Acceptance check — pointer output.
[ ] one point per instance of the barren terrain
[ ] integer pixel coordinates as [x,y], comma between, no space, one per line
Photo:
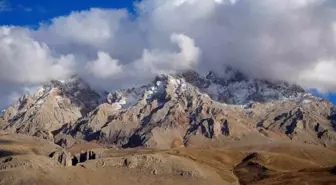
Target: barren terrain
[25,160]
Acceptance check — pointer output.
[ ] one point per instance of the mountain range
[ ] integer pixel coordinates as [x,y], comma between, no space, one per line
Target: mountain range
[174,111]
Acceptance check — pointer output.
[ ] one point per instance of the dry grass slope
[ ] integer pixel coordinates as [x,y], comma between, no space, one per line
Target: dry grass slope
[276,164]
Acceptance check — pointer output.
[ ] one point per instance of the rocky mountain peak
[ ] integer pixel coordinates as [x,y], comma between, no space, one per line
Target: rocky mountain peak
[53,105]
[74,88]
[231,87]
[171,106]
[127,98]
[194,78]
[229,75]
[186,104]
[76,82]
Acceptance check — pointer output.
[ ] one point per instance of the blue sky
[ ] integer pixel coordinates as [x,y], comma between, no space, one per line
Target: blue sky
[32,12]
[330,96]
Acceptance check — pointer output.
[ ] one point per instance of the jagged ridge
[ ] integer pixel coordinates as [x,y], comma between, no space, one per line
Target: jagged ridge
[180,106]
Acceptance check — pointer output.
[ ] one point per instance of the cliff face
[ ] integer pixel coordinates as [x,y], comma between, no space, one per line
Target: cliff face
[172,108]
[176,107]
[51,107]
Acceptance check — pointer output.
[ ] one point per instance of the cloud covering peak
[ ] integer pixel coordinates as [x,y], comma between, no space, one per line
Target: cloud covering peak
[291,40]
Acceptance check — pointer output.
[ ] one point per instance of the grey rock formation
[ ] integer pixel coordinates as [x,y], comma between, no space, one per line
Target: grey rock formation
[63,157]
[232,87]
[173,108]
[3,124]
[51,108]
[156,164]
[227,106]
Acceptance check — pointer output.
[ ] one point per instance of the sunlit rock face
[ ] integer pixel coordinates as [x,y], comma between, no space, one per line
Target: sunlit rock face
[215,106]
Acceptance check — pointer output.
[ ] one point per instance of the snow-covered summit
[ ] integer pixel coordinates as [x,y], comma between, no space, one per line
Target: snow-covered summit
[231,87]
[157,90]
[188,103]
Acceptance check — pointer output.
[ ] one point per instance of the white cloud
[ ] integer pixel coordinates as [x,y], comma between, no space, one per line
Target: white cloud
[157,61]
[24,60]
[321,76]
[189,52]
[293,40]
[104,67]
[91,27]
[151,63]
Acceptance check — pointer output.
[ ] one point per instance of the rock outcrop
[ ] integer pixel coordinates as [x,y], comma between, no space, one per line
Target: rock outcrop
[229,106]
[173,108]
[63,157]
[51,108]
